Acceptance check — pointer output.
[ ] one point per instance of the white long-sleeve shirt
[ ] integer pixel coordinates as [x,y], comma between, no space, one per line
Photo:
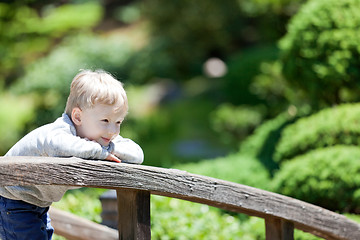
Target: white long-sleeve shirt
[58,139]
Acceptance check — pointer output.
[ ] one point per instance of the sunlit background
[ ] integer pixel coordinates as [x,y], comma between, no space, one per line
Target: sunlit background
[258,92]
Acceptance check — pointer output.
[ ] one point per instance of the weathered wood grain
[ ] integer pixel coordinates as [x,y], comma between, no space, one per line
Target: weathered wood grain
[177,184]
[287,230]
[134,214]
[276,228]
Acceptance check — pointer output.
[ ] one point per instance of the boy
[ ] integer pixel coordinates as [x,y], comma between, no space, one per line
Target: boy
[88,129]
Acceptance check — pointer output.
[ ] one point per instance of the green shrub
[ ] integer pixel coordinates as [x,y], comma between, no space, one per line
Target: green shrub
[300,235]
[234,123]
[321,51]
[234,168]
[177,219]
[261,144]
[242,68]
[270,86]
[328,177]
[73,202]
[332,126]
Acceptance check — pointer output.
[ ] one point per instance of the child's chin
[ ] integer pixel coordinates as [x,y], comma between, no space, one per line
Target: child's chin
[104,144]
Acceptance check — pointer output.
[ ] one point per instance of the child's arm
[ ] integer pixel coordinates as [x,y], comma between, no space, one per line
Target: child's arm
[127,150]
[63,144]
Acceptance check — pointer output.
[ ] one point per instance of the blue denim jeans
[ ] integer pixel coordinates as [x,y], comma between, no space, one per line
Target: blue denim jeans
[21,220]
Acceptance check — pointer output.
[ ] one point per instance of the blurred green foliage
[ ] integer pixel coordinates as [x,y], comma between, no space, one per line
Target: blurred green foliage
[329,127]
[196,221]
[271,87]
[15,113]
[164,131]
[183,35]
[234,123]
[320,52]
[243,67]
[327,177]
[83,202]
[198,30]
[27,33]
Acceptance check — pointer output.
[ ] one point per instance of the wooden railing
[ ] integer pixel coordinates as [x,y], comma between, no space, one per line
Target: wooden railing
[135,183]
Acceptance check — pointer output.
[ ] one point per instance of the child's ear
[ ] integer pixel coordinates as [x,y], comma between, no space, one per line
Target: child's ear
[76,116]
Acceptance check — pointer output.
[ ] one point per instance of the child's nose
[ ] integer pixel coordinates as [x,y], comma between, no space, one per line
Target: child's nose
[113,129]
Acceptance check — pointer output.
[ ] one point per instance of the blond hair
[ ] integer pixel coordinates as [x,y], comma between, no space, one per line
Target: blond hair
[93,87]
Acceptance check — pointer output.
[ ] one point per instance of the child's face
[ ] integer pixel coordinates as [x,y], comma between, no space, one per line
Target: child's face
[100,123]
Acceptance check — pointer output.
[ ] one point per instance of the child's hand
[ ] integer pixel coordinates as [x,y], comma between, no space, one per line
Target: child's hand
[112,158]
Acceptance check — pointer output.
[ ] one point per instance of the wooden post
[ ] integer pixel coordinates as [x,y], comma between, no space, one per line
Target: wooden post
[287,230]
[278,229]
[134,214]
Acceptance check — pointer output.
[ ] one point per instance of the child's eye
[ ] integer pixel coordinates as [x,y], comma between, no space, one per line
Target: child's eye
[118,122]
[105,120]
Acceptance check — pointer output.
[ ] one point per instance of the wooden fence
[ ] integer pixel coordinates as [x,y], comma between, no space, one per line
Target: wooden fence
[135,183]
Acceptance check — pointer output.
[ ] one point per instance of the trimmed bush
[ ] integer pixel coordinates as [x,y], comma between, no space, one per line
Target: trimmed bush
[329,127]
[321,51]
[261,144]
[328,177]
